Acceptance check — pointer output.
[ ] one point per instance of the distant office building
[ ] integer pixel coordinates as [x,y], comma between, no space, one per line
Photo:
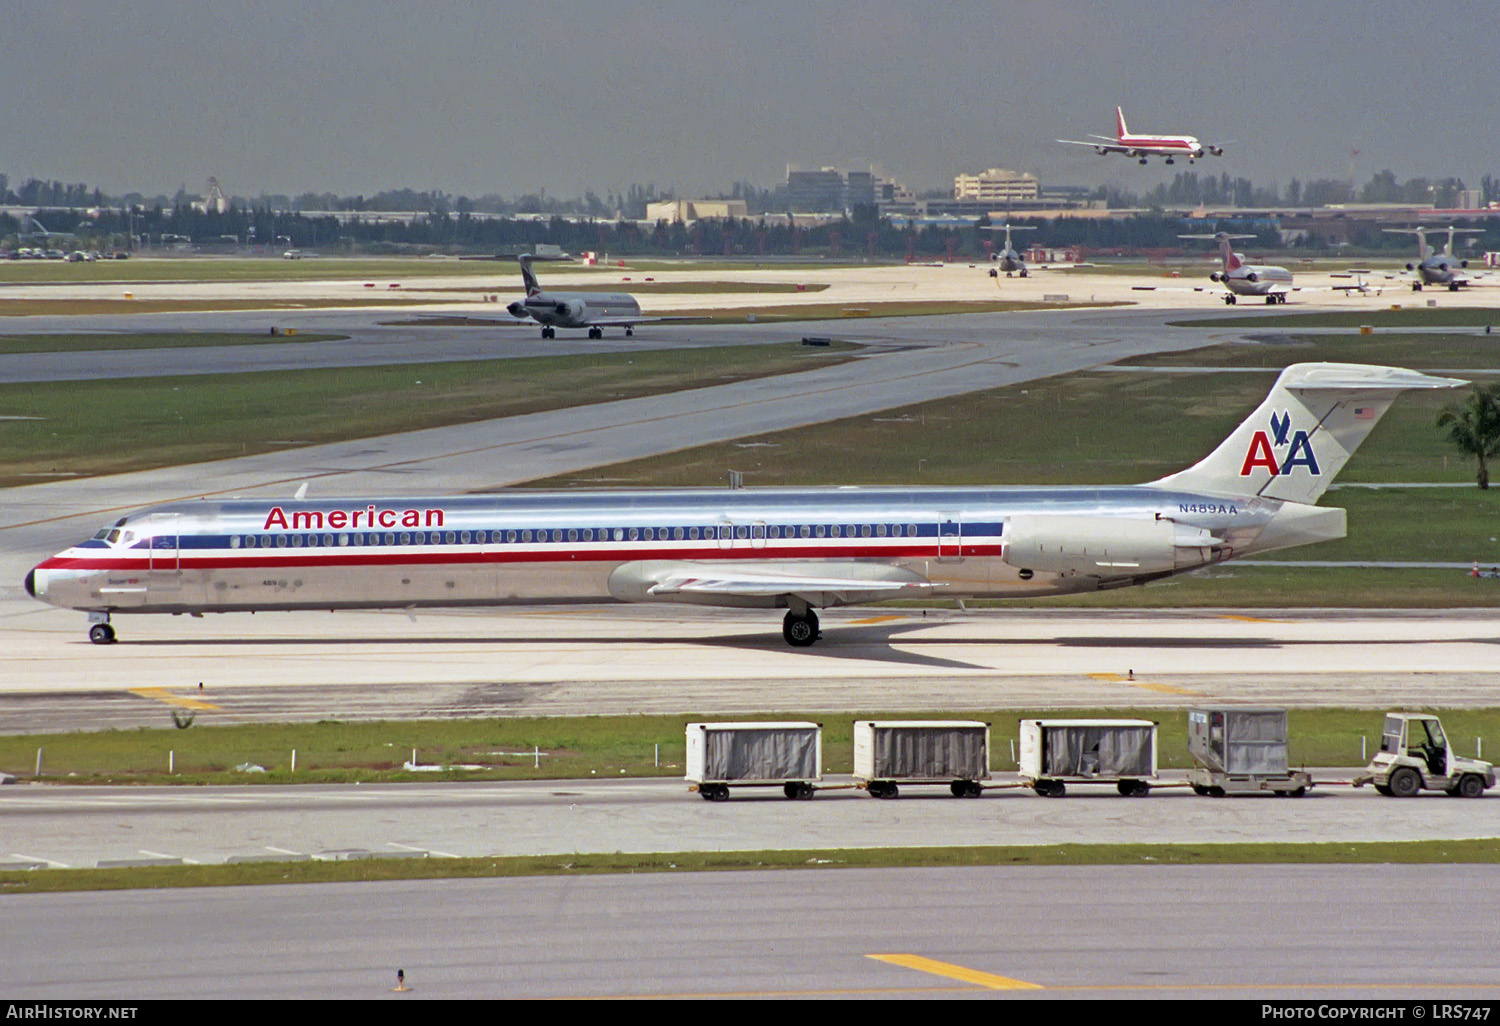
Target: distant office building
[996,185]
[859,189]
[819,191]
[831,190]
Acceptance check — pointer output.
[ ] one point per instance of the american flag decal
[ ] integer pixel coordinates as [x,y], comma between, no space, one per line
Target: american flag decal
[1364,413]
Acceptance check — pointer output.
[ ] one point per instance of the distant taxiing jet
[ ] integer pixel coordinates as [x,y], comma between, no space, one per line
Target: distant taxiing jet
[1010,261]
[798,549]
[1437,268]
[1242,279]
[1143,146]
[592,310]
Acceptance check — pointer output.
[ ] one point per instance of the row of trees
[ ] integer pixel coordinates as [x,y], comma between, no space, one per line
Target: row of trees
[864,234]
[1187,188]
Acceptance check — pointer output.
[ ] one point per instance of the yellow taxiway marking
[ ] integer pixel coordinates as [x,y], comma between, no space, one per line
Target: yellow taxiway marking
[163,695]
[956,972]
[1249,619]
[878,619]
[1120,678]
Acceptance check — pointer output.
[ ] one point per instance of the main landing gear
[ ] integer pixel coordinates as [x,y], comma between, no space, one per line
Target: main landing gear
[1231,299]
[596,333]
[800,629]
[549,333]
[1275,297]
[100,632]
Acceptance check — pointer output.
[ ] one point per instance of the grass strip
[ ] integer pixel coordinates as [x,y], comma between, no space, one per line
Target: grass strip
[1398,314]
[166,421]
[115,307]
[846,311]
[599,747]
[103,341]
[1482,851]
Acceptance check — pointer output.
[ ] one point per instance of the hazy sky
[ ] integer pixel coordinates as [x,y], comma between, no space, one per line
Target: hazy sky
[567,95]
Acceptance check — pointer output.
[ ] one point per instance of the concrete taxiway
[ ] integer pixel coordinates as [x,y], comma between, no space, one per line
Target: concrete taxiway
[1204,932]
[626,659]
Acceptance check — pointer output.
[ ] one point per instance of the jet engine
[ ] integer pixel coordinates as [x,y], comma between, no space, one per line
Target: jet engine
[518,309]
[1252,277]
[1411,267]
[1213,275]
[1217,151]
[1463,263]
[573,309]
[1104,546]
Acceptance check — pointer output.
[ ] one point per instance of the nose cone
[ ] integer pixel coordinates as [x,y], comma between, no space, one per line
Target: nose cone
[30,583]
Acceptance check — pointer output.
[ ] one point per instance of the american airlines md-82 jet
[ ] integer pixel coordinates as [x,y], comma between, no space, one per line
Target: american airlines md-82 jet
[798,549]
[1143,146]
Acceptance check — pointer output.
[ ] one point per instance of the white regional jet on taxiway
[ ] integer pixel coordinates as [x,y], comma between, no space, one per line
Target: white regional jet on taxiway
[592,310]
[1143,146]
[1437,268]
[797,549]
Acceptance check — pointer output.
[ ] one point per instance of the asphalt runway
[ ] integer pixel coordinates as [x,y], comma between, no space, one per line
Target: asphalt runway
[1202,932]
[77,826]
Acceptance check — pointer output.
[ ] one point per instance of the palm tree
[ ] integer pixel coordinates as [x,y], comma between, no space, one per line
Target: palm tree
[1474,428]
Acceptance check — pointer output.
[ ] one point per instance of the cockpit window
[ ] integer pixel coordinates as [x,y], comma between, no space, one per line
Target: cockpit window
[113,536]
[102,534]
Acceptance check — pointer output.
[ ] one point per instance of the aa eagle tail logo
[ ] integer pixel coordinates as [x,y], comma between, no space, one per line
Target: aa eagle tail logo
[1264,446]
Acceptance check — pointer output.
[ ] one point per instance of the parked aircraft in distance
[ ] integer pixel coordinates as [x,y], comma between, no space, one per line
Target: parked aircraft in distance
[1242,279]
[1010,261]
[1437,268]
[798,549]
[1361,286]
[1143,146]
[592,310]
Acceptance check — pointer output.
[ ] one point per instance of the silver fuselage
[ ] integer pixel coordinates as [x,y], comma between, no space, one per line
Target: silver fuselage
[1440,270]
[545,547]
[1267,278]
[580,309]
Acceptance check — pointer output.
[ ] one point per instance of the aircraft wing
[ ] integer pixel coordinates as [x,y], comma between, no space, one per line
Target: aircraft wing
[819,584]
[630,322]
[1101,146]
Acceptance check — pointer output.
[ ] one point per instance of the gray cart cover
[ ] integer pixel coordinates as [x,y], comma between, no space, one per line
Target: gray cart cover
[949,753]
[1256,741]
[773,754]
[1097,751]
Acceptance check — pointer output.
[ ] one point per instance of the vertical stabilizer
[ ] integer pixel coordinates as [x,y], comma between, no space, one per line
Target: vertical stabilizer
[1304,432]
[528,275]
[1226,251]
[1120,124]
